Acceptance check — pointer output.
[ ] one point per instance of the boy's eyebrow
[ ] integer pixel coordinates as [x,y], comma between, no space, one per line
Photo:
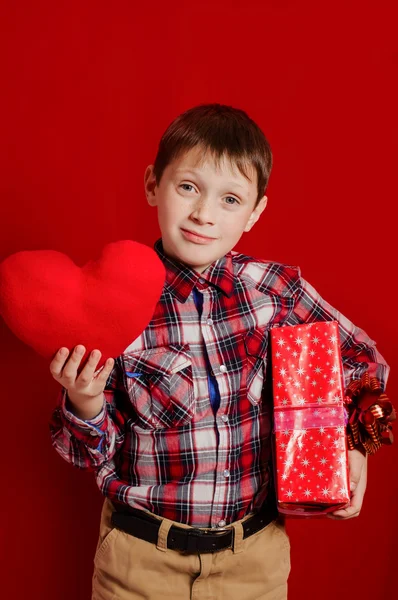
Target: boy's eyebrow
[180,171]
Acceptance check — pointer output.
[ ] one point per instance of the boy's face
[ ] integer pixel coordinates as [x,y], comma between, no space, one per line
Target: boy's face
[199,198]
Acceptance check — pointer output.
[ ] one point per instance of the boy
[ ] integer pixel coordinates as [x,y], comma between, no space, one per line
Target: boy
[178,428]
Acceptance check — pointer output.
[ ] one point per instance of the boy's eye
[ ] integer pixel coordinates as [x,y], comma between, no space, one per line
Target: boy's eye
[232,198]
[186,185]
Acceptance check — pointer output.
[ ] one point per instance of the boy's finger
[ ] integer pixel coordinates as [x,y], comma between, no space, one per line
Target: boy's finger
[87,373]
[346,513]
[105,370]
[58,362]
[351,511]
[71,367]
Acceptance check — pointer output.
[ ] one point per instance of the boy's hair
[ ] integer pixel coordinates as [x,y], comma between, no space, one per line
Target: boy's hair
[222,130]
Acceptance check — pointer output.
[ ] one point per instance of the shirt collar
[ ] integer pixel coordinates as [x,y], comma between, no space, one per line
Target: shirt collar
[180,278]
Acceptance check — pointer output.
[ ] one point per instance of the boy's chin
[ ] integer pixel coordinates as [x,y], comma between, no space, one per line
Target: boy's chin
[194,264]
[189,255]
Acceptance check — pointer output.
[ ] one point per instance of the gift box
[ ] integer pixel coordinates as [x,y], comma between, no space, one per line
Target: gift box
[310,443]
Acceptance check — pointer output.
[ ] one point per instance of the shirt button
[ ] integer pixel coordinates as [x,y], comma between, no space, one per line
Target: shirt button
[201,280]
[226,473]
[223,369]
[93,433]
[222,523]
[209,321]
[224,418]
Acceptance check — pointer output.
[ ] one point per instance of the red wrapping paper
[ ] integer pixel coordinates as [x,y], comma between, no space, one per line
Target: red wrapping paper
[311,453]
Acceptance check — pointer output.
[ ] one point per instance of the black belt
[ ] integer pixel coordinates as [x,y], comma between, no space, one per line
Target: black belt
[142,525]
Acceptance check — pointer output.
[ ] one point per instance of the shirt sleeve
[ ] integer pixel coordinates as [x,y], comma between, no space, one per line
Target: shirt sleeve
[358,351]
[368,410]
[87,444]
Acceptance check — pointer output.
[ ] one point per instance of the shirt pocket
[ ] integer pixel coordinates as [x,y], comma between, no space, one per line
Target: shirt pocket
[159,383]
[256,346]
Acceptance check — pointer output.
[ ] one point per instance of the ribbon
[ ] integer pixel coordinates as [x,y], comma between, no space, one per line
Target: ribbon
[370,414]
[308,417]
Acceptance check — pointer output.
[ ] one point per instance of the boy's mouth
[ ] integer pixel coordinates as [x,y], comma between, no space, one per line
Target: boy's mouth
[196,237]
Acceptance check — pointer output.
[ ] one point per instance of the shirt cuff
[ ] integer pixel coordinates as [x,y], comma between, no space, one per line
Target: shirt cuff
[90,431]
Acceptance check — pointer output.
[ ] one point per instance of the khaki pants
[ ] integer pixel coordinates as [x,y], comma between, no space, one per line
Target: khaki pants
[128,568]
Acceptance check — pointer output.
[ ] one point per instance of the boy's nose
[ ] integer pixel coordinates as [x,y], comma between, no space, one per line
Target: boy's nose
[203,213]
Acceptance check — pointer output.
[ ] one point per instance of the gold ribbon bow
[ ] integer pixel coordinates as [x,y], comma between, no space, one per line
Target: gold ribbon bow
[370,414]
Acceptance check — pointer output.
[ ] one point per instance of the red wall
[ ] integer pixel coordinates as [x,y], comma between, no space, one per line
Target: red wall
[87,90]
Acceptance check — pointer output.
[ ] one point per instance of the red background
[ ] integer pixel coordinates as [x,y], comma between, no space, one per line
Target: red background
[87,90]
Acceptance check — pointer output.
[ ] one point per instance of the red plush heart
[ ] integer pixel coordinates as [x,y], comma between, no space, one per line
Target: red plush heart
[49,302]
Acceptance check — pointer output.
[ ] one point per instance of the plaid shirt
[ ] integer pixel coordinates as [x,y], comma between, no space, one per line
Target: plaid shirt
[157,444]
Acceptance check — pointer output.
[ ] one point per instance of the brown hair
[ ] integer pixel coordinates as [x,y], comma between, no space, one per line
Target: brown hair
[222,130]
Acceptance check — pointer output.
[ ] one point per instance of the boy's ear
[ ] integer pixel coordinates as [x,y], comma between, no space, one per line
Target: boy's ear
[150,185]
[254,217]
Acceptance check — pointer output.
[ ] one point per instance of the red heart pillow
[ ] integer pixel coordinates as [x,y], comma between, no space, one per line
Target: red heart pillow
[49,302]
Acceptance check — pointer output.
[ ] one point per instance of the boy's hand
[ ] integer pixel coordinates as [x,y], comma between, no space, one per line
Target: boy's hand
[85,391]
[358,466]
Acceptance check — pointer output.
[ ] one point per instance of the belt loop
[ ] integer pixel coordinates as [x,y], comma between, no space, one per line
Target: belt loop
[163,534]
[237,537]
